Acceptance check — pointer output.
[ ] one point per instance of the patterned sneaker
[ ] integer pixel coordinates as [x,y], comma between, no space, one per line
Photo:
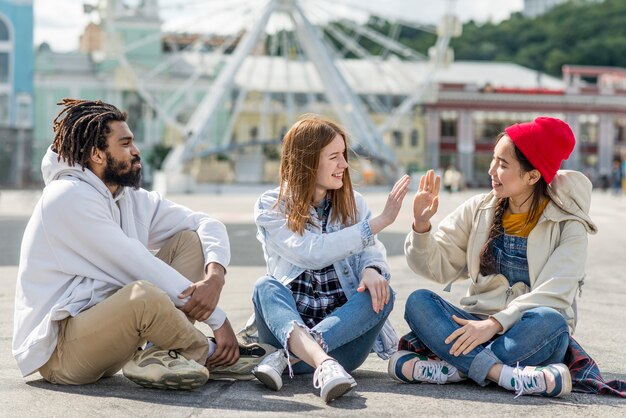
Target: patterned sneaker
[250,356]
[553,380]
[269,371]
[422,369]
[163,369]
[333,380]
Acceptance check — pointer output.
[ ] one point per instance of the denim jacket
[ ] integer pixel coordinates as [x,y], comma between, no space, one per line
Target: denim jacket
[349,249]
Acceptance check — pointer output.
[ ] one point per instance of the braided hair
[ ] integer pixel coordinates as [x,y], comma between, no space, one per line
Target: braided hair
[540,192]
[82,125]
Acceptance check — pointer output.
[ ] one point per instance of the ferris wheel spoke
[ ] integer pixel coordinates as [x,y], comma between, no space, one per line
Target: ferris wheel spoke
[383,40]
[351,44]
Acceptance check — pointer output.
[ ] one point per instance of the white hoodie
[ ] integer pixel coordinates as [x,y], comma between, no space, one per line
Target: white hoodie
[82,244]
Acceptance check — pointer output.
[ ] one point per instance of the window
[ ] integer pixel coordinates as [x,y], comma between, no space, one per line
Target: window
[6,48]
[449,125]
[397,139]
[4,109]
[283,132]
[4,31]
[588,128]
[4,67]
[414,138]
[23,110]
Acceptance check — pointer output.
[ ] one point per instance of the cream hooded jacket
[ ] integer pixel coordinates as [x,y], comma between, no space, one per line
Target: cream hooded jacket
[82,244]
[557,252]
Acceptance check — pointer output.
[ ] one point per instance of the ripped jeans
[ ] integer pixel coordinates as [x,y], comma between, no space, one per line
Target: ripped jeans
[347,334]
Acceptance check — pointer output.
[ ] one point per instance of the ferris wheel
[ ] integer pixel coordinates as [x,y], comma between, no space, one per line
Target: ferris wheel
[197,64]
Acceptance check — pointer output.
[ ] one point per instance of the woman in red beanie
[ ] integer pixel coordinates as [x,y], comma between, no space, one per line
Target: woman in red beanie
[523,246]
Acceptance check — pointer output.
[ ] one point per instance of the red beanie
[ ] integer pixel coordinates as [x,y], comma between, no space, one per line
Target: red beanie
[546,142]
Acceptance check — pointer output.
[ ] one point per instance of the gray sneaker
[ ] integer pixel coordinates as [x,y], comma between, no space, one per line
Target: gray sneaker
[332,380]
[269,371]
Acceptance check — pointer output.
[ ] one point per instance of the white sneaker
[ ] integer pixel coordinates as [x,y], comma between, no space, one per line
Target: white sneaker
[423,369]
[333,380]
[269,371]
[553,380]
[165,369]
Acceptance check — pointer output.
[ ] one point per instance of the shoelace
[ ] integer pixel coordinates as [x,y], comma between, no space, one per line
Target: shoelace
[173,354]
[430,371]
[527,382]
[327,369]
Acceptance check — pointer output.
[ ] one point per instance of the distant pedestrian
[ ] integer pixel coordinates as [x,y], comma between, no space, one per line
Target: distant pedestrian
[326,297]
[453,179]
[523,246]
[616,177]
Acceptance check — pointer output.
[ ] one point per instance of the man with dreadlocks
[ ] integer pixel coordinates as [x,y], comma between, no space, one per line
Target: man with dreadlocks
[89,290]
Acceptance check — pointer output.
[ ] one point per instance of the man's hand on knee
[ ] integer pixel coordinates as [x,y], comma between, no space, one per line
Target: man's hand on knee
[227,351]
[205,294]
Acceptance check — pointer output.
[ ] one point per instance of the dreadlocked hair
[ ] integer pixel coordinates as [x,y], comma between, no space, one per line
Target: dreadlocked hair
[540,192]
[81,126]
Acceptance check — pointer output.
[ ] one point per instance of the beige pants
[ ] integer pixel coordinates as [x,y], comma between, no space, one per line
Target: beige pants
[99,341]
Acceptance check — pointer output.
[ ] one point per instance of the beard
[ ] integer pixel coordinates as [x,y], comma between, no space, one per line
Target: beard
[120,173]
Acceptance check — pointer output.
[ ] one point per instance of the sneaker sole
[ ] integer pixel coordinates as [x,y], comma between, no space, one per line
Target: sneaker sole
[230,376]
[338,391]
[172,381]
[268,380]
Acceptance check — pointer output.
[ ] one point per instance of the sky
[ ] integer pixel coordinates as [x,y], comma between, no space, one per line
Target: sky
[60,22]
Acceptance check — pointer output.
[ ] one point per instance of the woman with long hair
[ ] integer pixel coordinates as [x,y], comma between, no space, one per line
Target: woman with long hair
[523,246]
[326,297]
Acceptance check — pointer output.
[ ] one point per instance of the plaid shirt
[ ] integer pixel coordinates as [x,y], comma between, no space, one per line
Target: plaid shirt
[318,292]
[586,376]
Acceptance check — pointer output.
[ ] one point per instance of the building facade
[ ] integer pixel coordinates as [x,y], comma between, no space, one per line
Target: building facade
[16,90]
[453,121]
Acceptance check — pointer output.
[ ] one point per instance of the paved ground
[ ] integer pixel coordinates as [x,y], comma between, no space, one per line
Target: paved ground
[601,330]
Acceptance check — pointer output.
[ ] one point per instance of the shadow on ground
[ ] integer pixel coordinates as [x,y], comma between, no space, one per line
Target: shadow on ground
[252,396]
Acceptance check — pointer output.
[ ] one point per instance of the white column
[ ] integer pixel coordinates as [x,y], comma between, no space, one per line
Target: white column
[574,163]
[433,138]
[465,145]
[606,139]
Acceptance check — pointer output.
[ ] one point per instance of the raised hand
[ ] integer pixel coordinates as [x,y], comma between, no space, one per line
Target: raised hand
[392,206]
[426,201]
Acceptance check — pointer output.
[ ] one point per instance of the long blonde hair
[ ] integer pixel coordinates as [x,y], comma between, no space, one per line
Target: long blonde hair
[300,158]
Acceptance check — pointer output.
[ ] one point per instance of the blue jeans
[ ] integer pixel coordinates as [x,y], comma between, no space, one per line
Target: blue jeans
[347,334]
[539,338]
